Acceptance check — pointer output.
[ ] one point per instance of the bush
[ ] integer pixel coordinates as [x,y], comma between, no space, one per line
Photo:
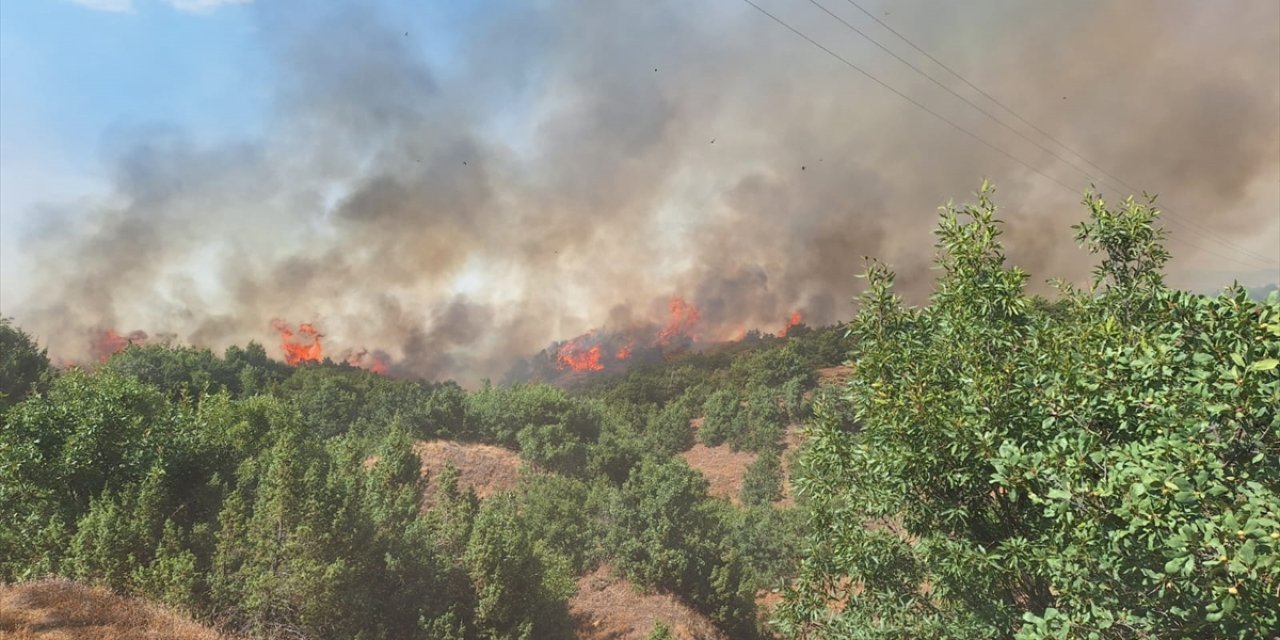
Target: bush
[722,418]
[1101,468]
[762,482]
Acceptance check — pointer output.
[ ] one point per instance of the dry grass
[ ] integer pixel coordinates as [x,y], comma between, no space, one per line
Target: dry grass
[725,468]
[834,375]
[483,468]
[57,609]
[606,607]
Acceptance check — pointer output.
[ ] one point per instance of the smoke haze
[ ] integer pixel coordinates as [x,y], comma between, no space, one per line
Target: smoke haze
[573,165]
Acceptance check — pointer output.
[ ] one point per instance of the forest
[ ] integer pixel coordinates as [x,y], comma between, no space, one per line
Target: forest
[1103,462]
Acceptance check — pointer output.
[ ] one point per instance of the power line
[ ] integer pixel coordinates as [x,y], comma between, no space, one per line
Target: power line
[906,97]
[944,119]
[1047,135]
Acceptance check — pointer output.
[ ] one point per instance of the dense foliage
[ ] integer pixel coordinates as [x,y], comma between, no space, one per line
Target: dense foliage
[276,501]
[1103,466]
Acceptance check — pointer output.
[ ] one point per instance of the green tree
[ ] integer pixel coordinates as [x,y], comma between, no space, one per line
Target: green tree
[666,534]
[521,589]
[1104,467]
[722,418]
[23,364]
[669,431]
[762,481]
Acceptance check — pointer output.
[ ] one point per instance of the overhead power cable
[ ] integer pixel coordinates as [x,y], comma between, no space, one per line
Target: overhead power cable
[1102,172]
[944,119]
[908,98]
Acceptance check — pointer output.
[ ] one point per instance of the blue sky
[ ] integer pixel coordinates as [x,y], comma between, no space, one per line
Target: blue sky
[76,75]
[72,76]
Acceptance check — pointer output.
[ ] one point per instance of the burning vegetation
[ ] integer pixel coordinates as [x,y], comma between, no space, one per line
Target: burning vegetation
[302,345]
[596,351]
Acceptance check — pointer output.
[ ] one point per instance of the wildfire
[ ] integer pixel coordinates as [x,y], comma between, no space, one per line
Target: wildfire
[796,318]
[301,346]
[104,343]
[376,361]
[625,351]
[680,323]
[577,356]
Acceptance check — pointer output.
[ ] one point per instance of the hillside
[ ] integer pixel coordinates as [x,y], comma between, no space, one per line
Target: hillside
[335,501]
[65,610]
[608,607]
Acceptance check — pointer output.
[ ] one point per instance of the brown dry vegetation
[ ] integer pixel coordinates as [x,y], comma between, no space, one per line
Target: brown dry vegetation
[607,607]
[724,468]
[483,468]
[834,375]
[57,609]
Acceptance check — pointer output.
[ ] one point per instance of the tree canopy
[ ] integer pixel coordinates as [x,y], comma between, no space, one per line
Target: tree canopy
[1103,466]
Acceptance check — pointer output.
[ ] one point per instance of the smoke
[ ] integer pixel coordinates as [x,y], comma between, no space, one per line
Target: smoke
[570,165]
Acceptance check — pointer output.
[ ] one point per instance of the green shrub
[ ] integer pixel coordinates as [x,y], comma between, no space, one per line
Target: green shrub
[1102,467]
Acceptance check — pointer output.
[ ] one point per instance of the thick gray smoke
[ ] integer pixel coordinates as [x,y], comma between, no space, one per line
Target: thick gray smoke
[578,164]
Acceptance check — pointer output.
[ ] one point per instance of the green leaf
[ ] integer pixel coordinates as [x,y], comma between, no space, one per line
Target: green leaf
[1264,365]
[1246,553]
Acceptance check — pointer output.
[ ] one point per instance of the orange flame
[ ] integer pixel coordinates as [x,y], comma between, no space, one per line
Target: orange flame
[625,352]
[376,362]
[796,318]
[107,342]
[681,322]
[575,355]
[303,347]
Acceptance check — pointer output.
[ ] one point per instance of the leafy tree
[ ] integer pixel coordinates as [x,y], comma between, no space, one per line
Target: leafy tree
[669,431]
[23,364]
[766,421]
[769,540]
[521,591]
[565,515]
[88,430]
[621,445]
[498,415]
[1104,467]
[554,448]
[762,481]
[722,418]
[667,535]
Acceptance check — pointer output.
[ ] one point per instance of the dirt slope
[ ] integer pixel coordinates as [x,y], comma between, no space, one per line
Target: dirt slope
[606,607]
[484,468]
[725,468]
[58,609]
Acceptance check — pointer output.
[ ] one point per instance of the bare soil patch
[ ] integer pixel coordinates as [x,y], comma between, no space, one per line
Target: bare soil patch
[607,607]
[834,375]
[725,468]
[483,468]
[57,609]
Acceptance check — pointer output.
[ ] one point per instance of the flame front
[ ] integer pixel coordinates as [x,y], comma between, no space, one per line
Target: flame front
[625,351]
[576,356]
[376,362]
[107,342]
[796,318]
[302,346]
[680,323]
